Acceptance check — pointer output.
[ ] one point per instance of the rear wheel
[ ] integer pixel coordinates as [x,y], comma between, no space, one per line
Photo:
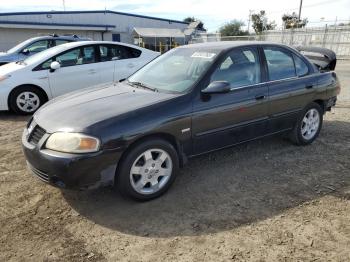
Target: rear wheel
[26,100]
[308,125]
[148,170]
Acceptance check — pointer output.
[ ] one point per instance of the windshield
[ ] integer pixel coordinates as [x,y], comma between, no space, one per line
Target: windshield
[20,46]
[48,53]
[175,71]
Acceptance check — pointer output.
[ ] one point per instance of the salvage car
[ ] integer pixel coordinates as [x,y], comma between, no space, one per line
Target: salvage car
[28,84]
[35,45]
[191,100]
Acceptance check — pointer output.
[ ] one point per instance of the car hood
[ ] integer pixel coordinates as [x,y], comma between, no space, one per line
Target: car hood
[77,111]
[10,68]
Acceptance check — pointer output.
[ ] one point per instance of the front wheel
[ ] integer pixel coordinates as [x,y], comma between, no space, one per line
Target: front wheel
[26,100]
[148,170]
[308,125]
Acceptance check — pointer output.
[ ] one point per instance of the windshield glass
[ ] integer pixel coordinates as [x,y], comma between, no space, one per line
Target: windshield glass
[20,46]
[175,71]
[48,53]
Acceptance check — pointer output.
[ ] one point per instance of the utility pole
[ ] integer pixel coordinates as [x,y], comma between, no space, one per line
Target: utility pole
[300,6]
[64,5]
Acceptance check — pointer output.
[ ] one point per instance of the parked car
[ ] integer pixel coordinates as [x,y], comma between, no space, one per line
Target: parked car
[189,101]
[28,84]
[35,45]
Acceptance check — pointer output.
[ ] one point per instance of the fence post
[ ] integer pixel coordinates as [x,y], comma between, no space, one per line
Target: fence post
[325,36]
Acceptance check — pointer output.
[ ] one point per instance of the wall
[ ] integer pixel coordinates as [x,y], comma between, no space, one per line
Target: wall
[11,37]
[124,25]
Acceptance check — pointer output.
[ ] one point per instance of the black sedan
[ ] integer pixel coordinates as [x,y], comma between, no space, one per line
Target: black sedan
[189,101]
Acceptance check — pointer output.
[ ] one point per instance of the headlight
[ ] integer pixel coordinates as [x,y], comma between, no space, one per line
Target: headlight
[4,77]
[72,143]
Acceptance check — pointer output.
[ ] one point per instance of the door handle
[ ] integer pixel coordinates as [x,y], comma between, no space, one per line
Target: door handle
[260,97]
[92,71]
[131,65]
[309,87]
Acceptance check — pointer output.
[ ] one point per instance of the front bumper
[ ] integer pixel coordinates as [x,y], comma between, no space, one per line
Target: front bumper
[75,171]
[4,94]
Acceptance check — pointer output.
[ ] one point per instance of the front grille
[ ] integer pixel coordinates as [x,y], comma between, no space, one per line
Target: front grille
[40,174]
[36,135]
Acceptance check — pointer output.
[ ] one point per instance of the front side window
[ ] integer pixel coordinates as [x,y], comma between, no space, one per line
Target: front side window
[241,67]
[175,71]
[77,56]
[38,46]
[70,58]
[280,63]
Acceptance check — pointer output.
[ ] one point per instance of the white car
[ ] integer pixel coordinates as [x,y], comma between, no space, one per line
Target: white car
[28,84]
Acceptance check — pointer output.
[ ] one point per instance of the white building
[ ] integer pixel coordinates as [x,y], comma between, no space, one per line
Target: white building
[97,25]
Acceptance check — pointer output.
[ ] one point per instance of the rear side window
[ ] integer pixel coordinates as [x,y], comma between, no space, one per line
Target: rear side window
[117,52]
[132,52]
[301,68]
[240,67]
[279,63]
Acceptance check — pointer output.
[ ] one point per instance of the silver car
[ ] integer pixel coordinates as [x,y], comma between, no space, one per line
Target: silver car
[35,45]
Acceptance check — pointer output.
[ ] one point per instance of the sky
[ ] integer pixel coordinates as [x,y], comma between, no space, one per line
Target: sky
[213,13]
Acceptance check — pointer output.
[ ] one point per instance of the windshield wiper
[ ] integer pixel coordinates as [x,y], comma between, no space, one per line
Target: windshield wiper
[21,62]
[142,85]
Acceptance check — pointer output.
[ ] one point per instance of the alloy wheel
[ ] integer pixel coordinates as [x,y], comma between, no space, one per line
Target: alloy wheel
[310,124]
[28,102]
[151,171]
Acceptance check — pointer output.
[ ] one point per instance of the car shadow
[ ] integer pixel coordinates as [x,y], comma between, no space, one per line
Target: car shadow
[12,117]
[230,188]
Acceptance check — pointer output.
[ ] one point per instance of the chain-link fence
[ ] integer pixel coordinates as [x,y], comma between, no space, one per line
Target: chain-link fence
[336,38]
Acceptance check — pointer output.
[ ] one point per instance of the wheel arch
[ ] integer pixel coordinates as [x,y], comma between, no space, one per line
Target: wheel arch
[41,90]
[321,103]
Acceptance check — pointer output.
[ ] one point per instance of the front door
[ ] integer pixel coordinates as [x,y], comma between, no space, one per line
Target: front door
[78,70]
[220,120]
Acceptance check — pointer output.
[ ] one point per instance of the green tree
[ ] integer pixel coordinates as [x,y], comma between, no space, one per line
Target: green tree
[260,22]
[292,21]
[193,19]
[233,28]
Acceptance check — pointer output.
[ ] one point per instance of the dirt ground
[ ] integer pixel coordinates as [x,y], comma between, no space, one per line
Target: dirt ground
[267,200]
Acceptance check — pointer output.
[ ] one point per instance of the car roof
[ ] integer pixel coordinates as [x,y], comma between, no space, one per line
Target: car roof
[224,45]
[80,43]
[68,37]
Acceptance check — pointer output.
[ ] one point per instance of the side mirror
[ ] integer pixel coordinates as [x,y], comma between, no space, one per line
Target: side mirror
[25,51]
[54,66]
[217,87]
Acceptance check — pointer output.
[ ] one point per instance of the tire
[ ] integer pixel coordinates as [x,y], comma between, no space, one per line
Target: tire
[300,134]
[26,100]
[155,164]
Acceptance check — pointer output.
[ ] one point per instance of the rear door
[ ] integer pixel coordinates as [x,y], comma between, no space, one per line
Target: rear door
[291,86]
[127,61]
[221,120]
[78,70]
[106,64]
